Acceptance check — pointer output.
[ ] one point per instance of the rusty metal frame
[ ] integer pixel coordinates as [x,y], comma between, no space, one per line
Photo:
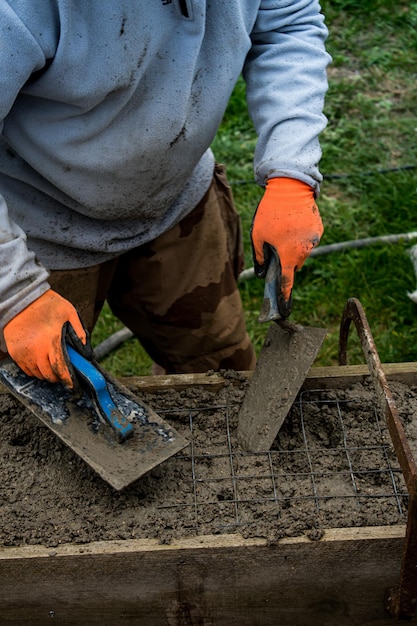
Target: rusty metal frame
[401,601]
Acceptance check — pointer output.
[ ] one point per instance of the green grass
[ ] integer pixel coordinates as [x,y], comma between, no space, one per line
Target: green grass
[372,126]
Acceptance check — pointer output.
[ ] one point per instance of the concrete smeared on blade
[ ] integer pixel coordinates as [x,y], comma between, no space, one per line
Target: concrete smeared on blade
[286,356]
[78,424]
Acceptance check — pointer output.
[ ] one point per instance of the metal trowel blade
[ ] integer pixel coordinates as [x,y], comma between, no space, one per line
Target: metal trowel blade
[285,358]
[76,422]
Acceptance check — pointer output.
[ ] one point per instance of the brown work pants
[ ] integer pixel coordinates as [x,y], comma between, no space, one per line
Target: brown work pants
[178,294]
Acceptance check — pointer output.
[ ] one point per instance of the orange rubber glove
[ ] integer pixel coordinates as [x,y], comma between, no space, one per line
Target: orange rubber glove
[34,337]
[288,221]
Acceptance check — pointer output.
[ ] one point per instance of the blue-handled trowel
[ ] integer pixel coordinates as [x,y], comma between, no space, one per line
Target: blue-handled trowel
[120,437]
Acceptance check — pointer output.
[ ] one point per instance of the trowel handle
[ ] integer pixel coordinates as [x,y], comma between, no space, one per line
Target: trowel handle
[274,307]
[96,383]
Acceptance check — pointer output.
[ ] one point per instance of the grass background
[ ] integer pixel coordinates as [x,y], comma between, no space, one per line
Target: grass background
[369,189]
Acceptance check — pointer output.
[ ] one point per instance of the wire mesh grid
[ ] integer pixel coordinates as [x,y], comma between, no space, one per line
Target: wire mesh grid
[332,465]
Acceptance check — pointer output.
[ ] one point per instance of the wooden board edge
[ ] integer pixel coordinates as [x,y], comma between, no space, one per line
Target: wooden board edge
[199,542]
[342,375]
[210,580]
[330,376]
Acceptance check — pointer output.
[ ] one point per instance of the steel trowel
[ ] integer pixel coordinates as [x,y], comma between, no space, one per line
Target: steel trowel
[285,358]
[118,435]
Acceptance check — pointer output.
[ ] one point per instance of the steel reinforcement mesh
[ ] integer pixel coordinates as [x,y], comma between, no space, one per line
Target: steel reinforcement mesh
[332,465]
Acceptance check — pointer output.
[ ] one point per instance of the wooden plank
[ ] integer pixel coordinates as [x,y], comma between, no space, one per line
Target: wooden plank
[341,376]
[329,376]
[211,381]
[215,580]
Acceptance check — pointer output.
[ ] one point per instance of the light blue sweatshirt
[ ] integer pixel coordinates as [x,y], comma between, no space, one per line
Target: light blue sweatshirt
[108,109]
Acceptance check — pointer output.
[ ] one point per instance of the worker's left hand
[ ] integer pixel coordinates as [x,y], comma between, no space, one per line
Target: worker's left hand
[287,220]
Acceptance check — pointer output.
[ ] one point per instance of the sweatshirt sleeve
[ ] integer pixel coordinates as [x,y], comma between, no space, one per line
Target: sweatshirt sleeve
[22,278]
[285,73]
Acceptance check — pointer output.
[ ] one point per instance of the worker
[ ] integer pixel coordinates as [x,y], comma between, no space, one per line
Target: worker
[109,188]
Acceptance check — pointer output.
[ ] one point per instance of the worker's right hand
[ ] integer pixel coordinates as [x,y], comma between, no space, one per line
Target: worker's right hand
[34,337]
[287,223]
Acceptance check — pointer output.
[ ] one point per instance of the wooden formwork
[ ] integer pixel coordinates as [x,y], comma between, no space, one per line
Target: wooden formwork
[219,580]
